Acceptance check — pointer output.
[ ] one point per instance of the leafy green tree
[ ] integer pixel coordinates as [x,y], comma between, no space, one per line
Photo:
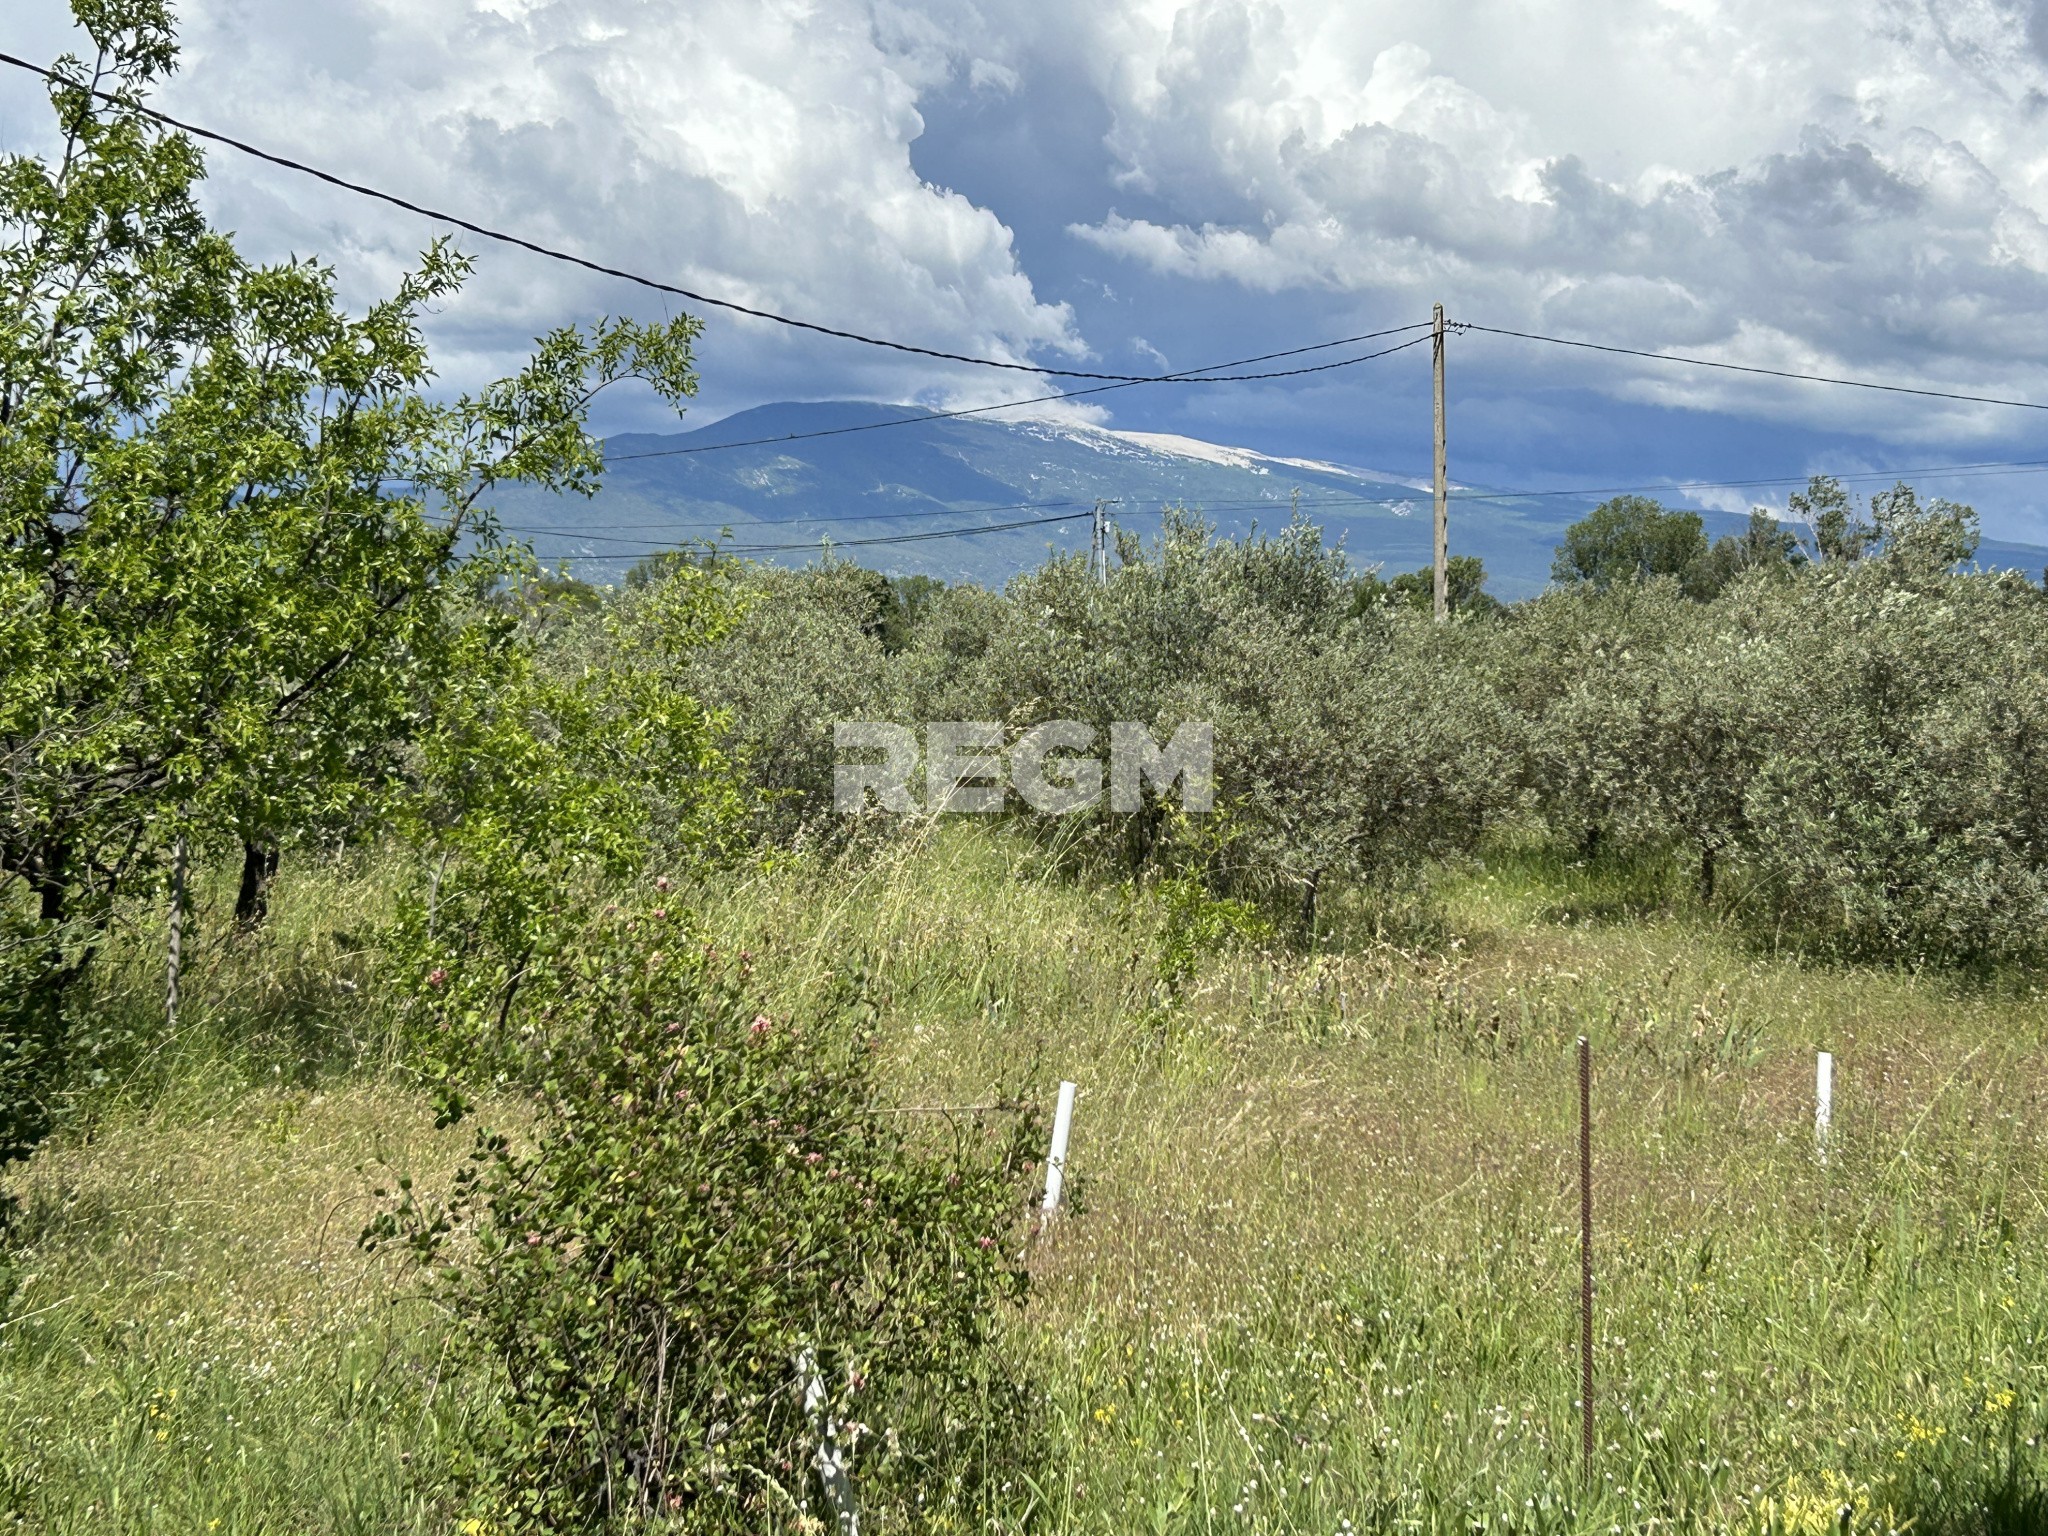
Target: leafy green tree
[1927,540]
[1651,725]
[897,603]
[1347,750]
[238,535]
[807,649]
[1630,538]
[540,784]
[1765,545]
[1464,584]
[1902,809]
[1839,535]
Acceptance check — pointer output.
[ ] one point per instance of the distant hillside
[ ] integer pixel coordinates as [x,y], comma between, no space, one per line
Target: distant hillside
[943,474]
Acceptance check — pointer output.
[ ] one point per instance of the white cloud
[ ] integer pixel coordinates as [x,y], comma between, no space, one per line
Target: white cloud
[753,149]
[1827,189]
[1822,188]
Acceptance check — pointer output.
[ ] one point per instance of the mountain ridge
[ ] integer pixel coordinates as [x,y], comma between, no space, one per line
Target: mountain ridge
[813,475]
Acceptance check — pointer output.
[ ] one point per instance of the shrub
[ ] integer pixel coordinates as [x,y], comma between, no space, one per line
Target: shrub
[1903,806]
[707,1191]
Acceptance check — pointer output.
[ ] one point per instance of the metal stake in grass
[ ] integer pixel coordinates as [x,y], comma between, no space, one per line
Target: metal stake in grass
[1586,1256]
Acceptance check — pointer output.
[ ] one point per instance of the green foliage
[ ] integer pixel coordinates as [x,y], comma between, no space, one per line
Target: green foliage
[1197,925]
[899,602]
[1346,749]
[232,524]
[1631,538]
[809,649]
[1839,535]
[537,787]
[1651,726]
[1901,806]
[1859,748]
[1766,545]
[1464,584]
[707,1192]
[1919,540]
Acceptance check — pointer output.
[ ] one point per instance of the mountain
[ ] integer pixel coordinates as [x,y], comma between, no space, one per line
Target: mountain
[782,498]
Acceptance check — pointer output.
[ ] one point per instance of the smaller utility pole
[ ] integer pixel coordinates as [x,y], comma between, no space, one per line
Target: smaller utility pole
[1098,548]
[1443,495]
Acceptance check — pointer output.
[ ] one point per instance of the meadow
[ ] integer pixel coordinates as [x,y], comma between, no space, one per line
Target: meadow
[1322,1271]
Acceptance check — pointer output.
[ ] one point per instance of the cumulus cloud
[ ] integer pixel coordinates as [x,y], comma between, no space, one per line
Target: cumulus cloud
[754,149]
[1796,187]
[1835,189]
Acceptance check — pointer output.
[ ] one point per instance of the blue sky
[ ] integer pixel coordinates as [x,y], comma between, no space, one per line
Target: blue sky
[1139,184]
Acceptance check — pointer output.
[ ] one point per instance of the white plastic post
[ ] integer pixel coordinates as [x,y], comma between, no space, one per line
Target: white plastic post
[1823,1103]
[1056,1160]
[830,1458]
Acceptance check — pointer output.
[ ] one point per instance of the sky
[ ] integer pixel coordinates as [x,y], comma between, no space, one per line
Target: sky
[1135,186]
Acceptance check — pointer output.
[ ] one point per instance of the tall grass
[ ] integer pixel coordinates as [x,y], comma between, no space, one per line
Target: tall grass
[1323,1270]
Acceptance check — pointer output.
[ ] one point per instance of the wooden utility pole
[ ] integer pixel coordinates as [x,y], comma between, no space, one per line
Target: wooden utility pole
[1443,495]
[1098,547]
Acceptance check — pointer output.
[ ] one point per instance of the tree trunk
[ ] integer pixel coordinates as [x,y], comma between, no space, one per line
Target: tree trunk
[1706,872]
[1308,905]
[252,901]
[47,878]
[176,963]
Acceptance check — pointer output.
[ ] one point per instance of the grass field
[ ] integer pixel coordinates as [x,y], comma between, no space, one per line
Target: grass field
[1324,1271]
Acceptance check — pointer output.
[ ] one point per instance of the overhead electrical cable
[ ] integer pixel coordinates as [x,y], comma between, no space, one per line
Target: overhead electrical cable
[657,285]
[1324,500]
[1960,471]
[806,522]
[712,545]
[1773,373]
[1072,394]
[908,538]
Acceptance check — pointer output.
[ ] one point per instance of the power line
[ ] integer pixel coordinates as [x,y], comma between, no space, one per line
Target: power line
[1774,373]
[762,549]
[1991,466]
[1227,504]
[1072,394]
[910,538]
[657,285]
[806,522]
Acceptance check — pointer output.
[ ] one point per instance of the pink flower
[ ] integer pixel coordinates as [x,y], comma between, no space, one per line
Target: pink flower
[761,1025]
[533,1239]
[436,976]
[812,1159]
[661,884]
[661,911]
[986,1242]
